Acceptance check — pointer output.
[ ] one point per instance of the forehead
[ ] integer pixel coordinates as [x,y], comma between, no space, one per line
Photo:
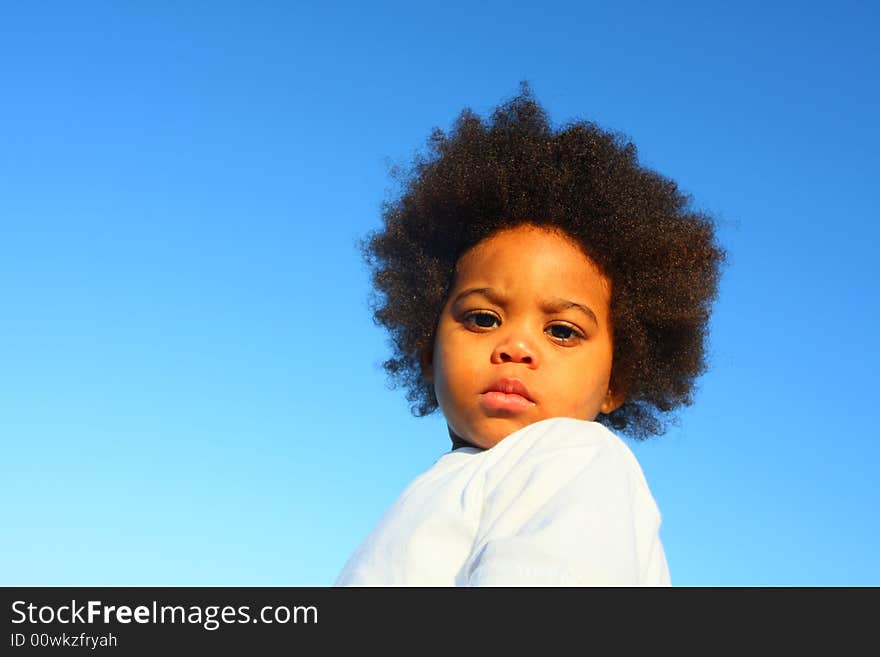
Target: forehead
[527,258]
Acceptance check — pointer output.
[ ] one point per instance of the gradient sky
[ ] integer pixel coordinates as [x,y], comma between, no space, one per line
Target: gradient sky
[192,391]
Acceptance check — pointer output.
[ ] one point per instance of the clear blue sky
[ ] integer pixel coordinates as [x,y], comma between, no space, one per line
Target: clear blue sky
[191,390]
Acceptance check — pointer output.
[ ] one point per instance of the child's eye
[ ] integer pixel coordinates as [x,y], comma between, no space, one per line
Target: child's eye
[564,332]
[481,320]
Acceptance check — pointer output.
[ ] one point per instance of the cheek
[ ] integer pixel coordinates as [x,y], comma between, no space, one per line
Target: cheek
[454,367]
[448,368]
[581,390]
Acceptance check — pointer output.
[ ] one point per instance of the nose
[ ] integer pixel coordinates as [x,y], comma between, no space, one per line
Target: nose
[514,348]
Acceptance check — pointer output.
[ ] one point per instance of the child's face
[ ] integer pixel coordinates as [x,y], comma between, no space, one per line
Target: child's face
[528,309]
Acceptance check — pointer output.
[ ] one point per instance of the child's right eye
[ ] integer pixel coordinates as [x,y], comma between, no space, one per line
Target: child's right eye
[481,320]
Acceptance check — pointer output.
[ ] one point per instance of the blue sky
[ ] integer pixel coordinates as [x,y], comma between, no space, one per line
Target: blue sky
[191,389]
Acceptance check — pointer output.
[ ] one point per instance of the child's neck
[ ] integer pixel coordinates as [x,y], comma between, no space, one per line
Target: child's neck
[458,441]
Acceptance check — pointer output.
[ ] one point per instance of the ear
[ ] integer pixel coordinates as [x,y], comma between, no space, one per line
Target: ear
[613,400]
[426,360]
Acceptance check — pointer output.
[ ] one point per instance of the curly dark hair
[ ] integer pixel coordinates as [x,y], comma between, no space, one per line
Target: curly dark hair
[660,254]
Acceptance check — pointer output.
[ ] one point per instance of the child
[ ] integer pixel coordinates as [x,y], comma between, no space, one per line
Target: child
[539,287]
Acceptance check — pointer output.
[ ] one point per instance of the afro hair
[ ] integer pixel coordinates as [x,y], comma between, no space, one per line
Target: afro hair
[661,255]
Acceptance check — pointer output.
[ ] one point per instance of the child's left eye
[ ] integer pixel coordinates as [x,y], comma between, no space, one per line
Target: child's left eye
[564,332]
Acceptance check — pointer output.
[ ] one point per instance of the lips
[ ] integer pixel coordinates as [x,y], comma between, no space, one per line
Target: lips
[509,395]
[510,387]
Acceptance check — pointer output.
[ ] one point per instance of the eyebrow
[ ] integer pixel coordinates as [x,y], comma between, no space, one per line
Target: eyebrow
[554,305]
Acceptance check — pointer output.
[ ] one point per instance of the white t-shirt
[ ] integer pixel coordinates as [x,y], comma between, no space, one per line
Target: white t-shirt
[561,502]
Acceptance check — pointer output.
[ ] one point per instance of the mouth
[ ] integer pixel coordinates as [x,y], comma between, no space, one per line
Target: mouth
[507,395]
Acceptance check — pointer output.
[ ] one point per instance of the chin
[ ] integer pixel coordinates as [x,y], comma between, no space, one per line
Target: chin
[494,430]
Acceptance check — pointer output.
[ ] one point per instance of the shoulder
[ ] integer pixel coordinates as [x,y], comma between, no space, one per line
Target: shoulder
[567,447]
[566,502]
[565,433]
